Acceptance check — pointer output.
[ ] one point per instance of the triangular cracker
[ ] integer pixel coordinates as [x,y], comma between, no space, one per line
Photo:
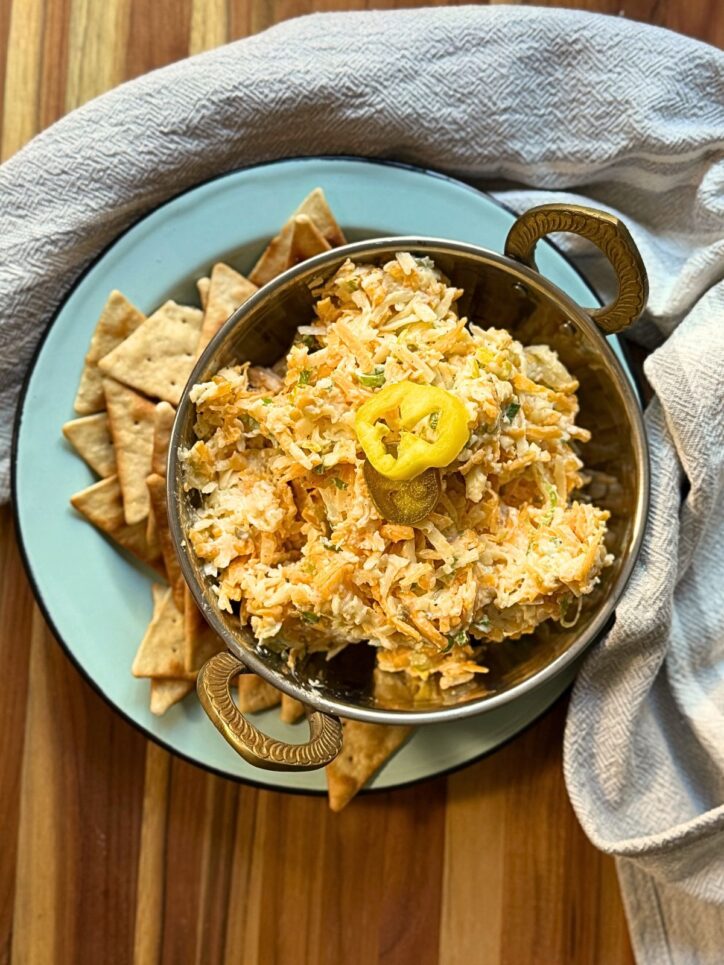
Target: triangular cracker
[157,492]
[228,290]
[315,207]
[102,505]
[307,241]
[117,320]
[158,357]
[298,240]
[365,748]
[152,538]
[291,710]
[161,652]
[255,694]
[202,284]
[200,641]
[90,436]
[151,532]
[131,421]
[275,258]
[166,693]
[162,426]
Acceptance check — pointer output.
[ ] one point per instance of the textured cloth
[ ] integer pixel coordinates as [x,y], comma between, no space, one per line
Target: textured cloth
[546,102]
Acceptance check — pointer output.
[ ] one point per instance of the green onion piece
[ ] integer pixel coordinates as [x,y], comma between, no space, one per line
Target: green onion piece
[458,639]
[339,483]
[553,501]
[309,617]
[512,411]
[372,380]
[266,401]
[304,377]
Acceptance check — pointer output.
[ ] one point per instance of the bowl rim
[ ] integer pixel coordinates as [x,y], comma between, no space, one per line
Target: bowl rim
[600,621]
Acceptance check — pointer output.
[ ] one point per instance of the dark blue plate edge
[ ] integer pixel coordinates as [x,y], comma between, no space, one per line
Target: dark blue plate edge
[382,162]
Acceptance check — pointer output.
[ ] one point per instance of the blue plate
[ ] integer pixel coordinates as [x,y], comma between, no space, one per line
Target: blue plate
[96,600]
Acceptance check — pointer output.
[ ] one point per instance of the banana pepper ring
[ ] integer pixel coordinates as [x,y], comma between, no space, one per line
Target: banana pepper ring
[405,503]
[397,415]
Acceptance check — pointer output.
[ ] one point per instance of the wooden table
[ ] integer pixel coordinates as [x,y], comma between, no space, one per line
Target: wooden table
[112,851]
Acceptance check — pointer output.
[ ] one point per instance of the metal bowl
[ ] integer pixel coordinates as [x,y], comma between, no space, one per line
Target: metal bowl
[504,290]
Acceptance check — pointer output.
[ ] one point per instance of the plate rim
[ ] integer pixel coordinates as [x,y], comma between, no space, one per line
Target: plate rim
[14,461]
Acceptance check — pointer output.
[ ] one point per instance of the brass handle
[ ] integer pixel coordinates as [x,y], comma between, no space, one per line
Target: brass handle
[606,231]
[213,686]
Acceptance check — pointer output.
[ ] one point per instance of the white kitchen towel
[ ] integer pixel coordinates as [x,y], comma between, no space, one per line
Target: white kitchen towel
[553,104]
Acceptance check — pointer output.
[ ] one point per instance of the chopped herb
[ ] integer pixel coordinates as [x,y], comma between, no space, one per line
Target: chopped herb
[482,626]
[458,639]
[339,483]
[309,617]
[304,377]
[266,401]
[329,545]
[373,380]
[512,411]
[434,419]
[353,284]
[553,502]
[311,342]
[249,422]
[319,470]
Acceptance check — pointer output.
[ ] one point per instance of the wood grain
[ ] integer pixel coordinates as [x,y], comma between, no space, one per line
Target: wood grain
[151,880]
[112,851]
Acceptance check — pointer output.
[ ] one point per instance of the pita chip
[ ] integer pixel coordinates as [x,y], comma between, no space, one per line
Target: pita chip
[298,240]
[151,532]
[165,693]
[227,290]
[200,641]
[157,493]
[102,505]
[157,358]
[291,710]
[152,536]
[256,694]
[307,241]
[117,320]
[131,418]
[315,207]
[365,748]
[202,286]
[161,652]
[275,258]
[162,425]
[90,436]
